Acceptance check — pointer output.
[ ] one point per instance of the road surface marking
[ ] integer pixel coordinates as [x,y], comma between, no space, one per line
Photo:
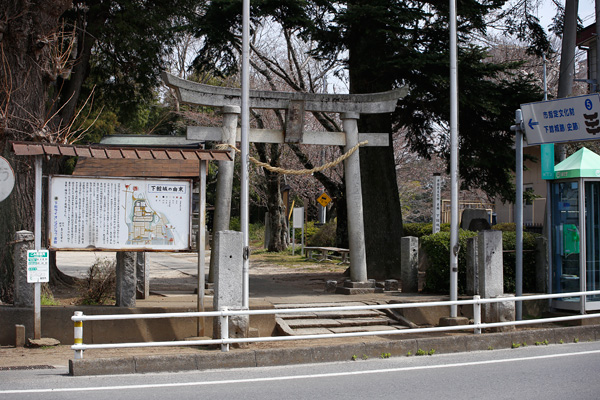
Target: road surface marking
[293,377]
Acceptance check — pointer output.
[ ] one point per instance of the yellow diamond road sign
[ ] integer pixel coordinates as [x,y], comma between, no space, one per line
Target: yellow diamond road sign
[324,199]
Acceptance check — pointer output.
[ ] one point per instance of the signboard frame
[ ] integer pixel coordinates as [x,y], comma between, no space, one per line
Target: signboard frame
[125,185]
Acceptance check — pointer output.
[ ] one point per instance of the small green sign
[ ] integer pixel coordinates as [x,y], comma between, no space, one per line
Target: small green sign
[547,155]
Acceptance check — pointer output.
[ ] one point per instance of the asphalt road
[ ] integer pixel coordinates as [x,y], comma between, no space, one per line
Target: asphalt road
[567,371]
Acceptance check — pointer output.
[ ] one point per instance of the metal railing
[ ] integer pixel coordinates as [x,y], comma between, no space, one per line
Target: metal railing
[224,315]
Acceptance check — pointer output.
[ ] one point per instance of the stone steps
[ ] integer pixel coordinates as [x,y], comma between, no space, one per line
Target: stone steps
[313,323]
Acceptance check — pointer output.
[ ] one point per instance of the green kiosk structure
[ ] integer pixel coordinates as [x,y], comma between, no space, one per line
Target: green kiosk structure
[575,230]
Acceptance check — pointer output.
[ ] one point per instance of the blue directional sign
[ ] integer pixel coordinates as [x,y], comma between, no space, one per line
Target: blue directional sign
[563,120]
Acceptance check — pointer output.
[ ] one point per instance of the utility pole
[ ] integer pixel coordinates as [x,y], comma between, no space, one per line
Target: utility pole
[596,78]
[245,150]
[453,160]
[567,60]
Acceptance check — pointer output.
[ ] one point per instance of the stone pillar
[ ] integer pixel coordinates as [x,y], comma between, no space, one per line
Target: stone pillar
[409,264]
[472,267]
[23,297]
[224,179]
[142,275]
[126,281]
[228,253]
[541,265]
[491,274]
[491,279]
[356,231]
[470,214]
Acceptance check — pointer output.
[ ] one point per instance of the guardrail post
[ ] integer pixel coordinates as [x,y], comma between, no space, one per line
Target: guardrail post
[477,314]
[78,335]
[224,329]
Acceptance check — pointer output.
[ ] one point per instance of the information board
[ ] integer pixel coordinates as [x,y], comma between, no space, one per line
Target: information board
[298,215]
[119,213]
[38,266]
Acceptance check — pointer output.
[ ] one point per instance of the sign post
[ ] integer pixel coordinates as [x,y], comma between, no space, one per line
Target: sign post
[323,200]
[298,222]
[563,120]
[547,158]
[37,237]
[518,129]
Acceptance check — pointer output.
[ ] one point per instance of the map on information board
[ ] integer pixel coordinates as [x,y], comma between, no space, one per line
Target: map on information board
[119,213]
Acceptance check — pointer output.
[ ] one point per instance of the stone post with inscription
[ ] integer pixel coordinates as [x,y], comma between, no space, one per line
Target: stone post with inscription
[23,296]
[126,282]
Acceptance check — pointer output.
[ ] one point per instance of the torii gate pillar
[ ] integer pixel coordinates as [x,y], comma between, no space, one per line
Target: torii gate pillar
[225,179]
[356,230]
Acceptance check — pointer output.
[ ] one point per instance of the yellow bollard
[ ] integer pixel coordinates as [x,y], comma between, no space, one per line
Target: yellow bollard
[78,335]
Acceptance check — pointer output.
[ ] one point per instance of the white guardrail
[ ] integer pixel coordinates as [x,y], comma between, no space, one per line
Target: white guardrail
[224,314]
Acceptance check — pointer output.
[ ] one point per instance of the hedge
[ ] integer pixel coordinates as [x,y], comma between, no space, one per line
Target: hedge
[420,229]
[436,248]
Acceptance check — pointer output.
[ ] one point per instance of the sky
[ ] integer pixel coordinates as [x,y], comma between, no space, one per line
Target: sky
[586,12]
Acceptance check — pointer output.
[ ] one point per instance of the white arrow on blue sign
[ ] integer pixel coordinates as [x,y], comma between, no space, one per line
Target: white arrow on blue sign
[571,119]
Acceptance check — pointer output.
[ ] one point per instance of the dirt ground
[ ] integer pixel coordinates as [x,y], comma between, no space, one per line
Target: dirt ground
[287,269]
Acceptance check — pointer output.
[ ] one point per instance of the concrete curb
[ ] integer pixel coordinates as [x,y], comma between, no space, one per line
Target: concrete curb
[317,354]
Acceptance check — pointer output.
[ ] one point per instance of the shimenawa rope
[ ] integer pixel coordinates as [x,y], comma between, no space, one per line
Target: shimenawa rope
[278,170]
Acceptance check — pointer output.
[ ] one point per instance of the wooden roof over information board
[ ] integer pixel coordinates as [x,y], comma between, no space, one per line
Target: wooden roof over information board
[118,152]
[130,161]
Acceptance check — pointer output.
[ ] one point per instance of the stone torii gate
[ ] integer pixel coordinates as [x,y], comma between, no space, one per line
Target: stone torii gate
[349,106]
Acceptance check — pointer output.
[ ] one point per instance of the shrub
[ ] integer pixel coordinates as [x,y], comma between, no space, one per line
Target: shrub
[310,229]
[419,229]
[235,224]
[505,227]
[509,240]
[413,228]
[256,232]
[46,297]
[437,248]
[98,287]
[325,237]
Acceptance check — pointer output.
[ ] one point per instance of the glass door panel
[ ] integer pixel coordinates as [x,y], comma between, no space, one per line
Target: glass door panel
[565,240]
[592,233]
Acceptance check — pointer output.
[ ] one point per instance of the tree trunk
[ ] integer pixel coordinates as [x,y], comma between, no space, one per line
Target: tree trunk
[71,87]
[278,240]
[381,201]
[26,73]
[567,62]
[337,191]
